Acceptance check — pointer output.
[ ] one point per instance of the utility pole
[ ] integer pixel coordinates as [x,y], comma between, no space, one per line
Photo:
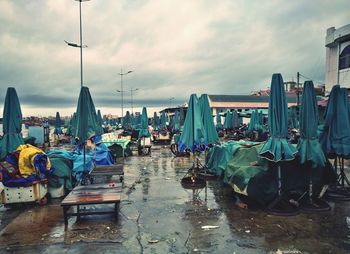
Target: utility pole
[298,91]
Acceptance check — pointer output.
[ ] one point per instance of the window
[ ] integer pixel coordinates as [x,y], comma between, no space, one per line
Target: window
[344,58]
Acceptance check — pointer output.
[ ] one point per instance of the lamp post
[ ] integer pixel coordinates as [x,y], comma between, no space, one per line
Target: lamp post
[121,91]
[81,46]
[132,100]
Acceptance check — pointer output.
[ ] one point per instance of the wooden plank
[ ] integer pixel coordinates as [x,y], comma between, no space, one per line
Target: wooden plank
[116,169]
[97,186]
[90,198]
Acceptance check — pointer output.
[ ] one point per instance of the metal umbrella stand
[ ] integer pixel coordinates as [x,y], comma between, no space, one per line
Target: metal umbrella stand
[276,148]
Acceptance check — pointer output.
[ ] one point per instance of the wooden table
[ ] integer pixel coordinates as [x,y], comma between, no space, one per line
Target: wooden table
[93,194]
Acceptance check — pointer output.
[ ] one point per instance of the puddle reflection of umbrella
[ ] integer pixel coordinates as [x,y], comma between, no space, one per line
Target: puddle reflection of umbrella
[193,138]
[12,123]
[310,150]
[276,148]
[335,138]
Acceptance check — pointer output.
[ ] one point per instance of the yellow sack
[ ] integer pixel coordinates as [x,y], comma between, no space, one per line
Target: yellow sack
[26,160]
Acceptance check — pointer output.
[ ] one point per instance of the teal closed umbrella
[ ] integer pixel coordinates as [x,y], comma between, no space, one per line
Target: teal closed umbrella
[155,121]
[86,120]
[163,120]
[144,132]
[12,123]
[127,121]
[193,136]
[99,130]
[176,122]
[309,147]
[276,148]
[235,120]
[207,118]
[228,120]
[335,137]
[58,129]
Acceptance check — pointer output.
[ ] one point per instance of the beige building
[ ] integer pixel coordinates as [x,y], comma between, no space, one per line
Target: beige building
[337,57]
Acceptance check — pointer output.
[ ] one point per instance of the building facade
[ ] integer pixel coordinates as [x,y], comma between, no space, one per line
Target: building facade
[337,57]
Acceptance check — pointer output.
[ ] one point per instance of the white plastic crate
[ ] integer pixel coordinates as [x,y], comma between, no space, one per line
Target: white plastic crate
[35,192]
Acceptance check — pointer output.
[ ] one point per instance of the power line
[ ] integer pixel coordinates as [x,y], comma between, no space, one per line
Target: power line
[316,81]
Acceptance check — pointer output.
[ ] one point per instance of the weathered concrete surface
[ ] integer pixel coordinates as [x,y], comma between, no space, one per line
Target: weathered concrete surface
[158,216]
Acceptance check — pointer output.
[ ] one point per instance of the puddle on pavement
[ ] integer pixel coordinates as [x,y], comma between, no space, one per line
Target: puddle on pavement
[158,216]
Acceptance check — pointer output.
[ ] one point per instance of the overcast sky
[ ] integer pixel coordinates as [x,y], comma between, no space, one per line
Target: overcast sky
[173,47]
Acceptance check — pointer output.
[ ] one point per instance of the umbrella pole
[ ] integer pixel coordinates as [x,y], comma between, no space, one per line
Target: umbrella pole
[279,179]
[310,185]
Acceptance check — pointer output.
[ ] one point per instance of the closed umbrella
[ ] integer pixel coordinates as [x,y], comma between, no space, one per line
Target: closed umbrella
[193,138]
[335,137]
[144,132]
[12,123]
[86,120]
[127,121]
[309,148]
[207,118]
[228,120]
[163,120]
[99,130]
[276,148]
[155,122]
[176,122]
[58,129]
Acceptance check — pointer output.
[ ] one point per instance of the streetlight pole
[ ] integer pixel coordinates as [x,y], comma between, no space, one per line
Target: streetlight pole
[81,46]
[121,87]
[132,101]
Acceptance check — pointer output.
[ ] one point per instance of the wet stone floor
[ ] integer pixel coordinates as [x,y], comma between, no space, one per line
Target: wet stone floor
[157,215]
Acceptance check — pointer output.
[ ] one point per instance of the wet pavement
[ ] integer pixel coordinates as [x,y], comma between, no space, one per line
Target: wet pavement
[158,216]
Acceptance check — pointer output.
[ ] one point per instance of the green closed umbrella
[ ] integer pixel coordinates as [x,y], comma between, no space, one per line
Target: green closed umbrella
[163,120]
[293,118]
[144,132]
[176,121]
[155,122]
[99,130]
[193,136]
[235,120]
[207,118]
[12,123]
[86,120]
[182,116]
[309,147]
[276,148]
[127,121]
[58,129]
[228,120]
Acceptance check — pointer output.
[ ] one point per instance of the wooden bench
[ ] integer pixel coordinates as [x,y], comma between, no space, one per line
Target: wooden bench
[108,170]
[94,194]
